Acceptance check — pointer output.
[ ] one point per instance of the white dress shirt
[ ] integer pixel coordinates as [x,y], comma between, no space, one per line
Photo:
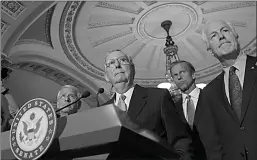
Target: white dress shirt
[240,72]
[194,96]
[128,95]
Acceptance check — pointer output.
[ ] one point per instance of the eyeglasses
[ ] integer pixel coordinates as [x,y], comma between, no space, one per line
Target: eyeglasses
[121,60]
[70,97]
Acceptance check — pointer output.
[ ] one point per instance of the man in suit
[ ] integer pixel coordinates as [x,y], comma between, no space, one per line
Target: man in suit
[67,95]
[149,108]
[227,126]
[183,74]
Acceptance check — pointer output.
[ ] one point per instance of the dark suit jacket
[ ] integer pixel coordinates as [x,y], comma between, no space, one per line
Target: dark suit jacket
[223,135]
[153,109]
[198,146]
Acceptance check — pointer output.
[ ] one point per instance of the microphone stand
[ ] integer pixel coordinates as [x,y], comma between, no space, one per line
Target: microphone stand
[69,104]
[97,101]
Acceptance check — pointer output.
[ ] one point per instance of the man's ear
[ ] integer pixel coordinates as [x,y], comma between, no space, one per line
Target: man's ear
[210,51]
[106,77]
[193,75]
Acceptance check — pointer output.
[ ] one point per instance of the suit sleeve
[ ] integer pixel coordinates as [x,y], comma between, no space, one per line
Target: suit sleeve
[207,130]
[178,133]
[5,114]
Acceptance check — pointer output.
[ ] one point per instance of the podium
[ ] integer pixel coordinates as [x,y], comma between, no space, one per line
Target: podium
[98,131]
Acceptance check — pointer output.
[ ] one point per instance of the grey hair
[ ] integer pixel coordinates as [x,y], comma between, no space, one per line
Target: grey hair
[204,34]
[78,94]
[129,58]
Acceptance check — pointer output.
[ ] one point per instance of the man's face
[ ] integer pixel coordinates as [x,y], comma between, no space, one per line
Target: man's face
[182,76]
[221,39]
[67,96]
[118,68]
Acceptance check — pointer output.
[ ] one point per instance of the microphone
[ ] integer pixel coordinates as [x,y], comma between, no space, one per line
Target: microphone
[84,95]
[100,90]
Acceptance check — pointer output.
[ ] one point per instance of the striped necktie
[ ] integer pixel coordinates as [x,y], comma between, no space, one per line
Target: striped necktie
[121,104]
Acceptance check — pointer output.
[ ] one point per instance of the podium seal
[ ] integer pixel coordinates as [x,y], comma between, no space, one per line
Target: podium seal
[33,129]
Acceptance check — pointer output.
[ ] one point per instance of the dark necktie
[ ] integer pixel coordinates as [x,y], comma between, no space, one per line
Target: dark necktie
[235,92]
[121,104]
[190,111]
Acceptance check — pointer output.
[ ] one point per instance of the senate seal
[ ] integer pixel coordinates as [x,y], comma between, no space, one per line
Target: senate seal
[33,129]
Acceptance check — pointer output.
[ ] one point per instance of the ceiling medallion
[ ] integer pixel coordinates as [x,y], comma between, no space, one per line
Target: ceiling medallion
[184,17]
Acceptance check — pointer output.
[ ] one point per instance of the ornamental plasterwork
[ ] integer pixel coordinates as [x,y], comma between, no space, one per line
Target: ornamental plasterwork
[142,45]
[199,2]
[4,27]
[129,42]
[230,6]
[13,8]
[55,75]
[189,11]
[133,38]
[48,19]
[111,23]
[117,7]
[68,43]
[106,39]
[32,41]
[149,3]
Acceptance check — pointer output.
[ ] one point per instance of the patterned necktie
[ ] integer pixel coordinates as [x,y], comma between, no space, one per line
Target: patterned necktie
[190,111]
[121,104]
[235,92]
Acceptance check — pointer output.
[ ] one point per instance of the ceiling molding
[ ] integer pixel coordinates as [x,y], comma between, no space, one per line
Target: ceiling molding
[4,27]
[20,28]
[56,71]
[13,8]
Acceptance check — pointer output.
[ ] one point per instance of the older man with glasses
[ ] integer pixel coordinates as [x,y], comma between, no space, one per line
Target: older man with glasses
[149,108]
[67,95]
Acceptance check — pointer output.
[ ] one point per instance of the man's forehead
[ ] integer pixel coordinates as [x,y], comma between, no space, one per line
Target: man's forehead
[67,90]
[115,54]
[215,25]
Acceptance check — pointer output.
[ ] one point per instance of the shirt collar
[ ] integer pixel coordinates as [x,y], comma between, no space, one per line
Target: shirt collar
[128,95]
[194,94]
[241,60]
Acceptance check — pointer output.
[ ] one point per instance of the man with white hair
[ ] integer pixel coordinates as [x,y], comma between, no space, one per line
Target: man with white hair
[227,126]
[148,108]
[67,95]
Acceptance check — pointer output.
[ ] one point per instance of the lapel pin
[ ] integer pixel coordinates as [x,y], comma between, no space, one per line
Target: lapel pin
[254,66]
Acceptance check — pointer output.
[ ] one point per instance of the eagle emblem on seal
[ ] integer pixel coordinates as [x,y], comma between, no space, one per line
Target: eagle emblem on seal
[30,130]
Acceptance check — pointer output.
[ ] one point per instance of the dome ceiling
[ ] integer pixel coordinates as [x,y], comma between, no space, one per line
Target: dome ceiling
[89,29]
[78,34]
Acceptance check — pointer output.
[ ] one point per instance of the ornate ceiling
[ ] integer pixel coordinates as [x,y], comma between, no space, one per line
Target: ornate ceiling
[78,34]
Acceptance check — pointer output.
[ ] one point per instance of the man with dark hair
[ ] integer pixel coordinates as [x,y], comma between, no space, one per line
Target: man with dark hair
[230,100]
[149,108]
[183,74]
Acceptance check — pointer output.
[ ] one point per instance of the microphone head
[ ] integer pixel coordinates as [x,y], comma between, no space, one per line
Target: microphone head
[85,94]
[100,90]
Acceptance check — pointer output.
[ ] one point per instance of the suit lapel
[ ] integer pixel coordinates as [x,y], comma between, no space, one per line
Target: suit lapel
[137,102]
[250,79]
[198,109]
[179,106]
